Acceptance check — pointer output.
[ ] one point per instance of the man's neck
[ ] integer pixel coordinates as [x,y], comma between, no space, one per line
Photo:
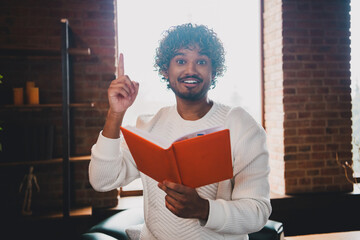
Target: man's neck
[193,110]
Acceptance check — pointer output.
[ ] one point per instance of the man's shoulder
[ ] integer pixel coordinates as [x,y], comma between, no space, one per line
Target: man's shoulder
[238,111]
[145,121]
[239,116]
[231,111]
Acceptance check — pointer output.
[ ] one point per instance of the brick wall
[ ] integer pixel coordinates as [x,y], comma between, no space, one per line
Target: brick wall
[35,24]
[307,94]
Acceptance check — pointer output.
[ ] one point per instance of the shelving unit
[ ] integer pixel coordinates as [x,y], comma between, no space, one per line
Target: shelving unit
[41,162]
[11,52]
[63,54]
[51,105]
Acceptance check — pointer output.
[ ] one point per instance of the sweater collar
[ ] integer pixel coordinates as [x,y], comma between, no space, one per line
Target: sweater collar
[195,122]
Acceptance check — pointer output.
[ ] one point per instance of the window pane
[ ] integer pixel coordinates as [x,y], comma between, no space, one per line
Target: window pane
[237,23]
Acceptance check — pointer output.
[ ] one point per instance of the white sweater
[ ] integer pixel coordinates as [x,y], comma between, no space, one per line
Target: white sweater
[238,206]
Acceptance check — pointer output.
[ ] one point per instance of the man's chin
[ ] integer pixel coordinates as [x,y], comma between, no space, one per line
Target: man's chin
[191,96]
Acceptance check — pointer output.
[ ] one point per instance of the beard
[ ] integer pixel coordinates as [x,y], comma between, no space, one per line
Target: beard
[191,94]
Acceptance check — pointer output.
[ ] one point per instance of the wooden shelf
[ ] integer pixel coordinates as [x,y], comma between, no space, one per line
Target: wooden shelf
[48,214]
[51,105]
[42,162]
[84,211]
[26,52]
[10,52]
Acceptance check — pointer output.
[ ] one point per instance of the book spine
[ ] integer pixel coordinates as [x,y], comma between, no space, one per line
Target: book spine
[175,173]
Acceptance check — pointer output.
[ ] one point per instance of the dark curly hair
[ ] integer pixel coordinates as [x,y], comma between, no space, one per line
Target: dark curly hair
[191,35]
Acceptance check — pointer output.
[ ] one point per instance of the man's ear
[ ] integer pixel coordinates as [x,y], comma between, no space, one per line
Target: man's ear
[165,74]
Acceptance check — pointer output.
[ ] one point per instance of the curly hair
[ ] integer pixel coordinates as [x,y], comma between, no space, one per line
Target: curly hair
[186,36]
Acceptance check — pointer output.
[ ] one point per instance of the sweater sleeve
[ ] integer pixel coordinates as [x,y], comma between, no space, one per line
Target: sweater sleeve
[111,164]
[243,206]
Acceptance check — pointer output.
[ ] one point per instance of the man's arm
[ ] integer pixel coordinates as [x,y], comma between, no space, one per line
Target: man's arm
[249,206]
[109,167]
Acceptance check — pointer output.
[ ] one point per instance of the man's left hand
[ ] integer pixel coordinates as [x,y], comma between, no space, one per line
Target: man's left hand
[184,201]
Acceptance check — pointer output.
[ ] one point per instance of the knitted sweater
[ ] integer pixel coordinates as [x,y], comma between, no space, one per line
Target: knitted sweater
[238,206]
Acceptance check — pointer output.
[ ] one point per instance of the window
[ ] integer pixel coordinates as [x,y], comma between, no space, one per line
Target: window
[355,85]
[237,23]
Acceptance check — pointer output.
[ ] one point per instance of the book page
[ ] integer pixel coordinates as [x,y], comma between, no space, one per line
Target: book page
[164,144]
[199,133]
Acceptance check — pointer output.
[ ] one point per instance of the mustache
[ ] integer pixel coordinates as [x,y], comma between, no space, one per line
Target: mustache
[190,76]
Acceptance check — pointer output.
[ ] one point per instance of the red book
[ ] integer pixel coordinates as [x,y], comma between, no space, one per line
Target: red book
[194,160]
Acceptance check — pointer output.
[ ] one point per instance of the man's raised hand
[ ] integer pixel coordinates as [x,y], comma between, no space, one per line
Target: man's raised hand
[122,91]
[121,94]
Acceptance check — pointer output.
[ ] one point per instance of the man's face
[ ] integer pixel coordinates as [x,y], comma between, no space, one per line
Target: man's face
[190,74]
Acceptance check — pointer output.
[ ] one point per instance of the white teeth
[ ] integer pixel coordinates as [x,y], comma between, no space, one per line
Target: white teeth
[190,81]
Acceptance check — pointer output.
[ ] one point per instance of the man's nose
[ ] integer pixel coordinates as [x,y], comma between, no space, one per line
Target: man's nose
[191,68]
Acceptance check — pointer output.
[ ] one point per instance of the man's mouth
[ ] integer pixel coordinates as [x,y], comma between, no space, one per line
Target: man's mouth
[191,80]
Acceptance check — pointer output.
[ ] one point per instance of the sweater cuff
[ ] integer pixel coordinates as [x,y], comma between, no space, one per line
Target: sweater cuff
[216,219]
[107,147]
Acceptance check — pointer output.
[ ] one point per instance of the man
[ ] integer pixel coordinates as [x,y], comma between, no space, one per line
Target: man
[189,59]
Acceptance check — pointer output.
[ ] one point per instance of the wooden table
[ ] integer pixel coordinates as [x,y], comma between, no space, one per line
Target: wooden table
[328,236]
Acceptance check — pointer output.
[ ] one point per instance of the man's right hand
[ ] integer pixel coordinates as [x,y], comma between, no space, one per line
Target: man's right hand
[121,94]
[122,91]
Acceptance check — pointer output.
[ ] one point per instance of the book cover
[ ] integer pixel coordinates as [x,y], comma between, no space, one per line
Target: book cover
[194,160]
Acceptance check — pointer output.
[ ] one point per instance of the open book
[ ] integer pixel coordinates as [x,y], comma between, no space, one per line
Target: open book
[194,160]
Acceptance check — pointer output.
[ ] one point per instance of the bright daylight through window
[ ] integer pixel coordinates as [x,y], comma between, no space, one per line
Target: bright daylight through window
[237,23]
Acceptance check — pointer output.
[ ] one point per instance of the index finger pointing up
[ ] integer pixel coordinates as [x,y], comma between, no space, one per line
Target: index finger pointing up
[121,71]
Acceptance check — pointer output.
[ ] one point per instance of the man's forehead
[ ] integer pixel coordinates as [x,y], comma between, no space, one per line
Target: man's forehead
[184,50]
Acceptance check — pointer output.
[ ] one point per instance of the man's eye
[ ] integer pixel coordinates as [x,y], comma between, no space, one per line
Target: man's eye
[202,62]
[180,61]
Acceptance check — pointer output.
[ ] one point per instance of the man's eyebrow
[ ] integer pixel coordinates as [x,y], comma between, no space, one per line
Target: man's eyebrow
[178,54]
[204,53]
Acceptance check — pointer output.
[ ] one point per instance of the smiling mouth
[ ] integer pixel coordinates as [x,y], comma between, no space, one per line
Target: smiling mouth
[190,80]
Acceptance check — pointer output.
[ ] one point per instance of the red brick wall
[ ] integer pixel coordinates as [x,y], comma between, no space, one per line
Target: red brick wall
[35,24]
[307,94]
